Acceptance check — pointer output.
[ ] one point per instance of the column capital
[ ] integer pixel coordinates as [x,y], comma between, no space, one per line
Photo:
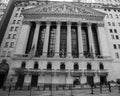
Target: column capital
[48,22]
[100,24]
[79,23]
[26,22]
[89,24]
[58,22]
[37,22]
[69,23]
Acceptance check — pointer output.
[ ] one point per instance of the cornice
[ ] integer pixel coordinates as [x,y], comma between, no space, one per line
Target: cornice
[105,59]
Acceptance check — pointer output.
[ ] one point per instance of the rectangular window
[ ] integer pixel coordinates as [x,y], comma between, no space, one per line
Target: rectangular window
[13,21]
[111,31]
[6,44]
[117,37]
[14,36]
[109,23]
[9,54]
[11,44]
[16,28]
[18,22]
[16,14]
[119,46]
[115,30]
[114,46]
[116,55]
[11,29]
[117,16]
[9,36]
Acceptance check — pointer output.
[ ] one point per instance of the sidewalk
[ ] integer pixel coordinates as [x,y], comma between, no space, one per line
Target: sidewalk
[78,92]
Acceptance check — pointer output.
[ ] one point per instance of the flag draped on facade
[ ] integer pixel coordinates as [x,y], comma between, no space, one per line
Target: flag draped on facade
[32,51]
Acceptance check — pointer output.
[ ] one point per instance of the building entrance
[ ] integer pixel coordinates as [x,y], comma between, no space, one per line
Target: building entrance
[103,80]
[76,82]
[34,80]
[90,80]
[20,81]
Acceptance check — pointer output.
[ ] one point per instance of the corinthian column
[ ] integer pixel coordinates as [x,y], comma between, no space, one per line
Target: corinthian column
[57,45]
[80,41]
[69,41]
[36,34]
[23,38]
[46,40]
[91,41]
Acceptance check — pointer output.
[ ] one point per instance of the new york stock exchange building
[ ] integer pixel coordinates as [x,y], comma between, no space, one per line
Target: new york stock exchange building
[57,42]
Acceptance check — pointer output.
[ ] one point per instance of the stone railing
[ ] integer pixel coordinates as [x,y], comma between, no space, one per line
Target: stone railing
[73,73]
[89,72]
[102,72]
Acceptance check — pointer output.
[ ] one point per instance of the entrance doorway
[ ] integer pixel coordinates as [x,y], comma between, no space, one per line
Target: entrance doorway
[76,82]
[34,80]
[103,80]
[20,81]
[90,80]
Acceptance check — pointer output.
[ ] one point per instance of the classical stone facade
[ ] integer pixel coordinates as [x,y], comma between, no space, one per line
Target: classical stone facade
[59,43]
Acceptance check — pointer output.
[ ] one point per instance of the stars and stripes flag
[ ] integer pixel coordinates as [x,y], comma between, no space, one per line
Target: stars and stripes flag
[91,52]
[32,51]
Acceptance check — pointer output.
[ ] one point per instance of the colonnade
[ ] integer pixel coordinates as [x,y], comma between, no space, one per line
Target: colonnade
[26,29]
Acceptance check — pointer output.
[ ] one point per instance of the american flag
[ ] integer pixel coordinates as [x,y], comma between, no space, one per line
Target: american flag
[32,51]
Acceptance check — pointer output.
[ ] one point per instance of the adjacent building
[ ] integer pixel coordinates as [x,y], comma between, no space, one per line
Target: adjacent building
[61,43]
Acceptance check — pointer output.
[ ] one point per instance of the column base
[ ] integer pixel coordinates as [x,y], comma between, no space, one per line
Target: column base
[56,56]
[81,55]
[44,55]
[69,56]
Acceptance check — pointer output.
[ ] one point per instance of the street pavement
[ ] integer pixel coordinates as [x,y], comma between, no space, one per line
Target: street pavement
[75,92]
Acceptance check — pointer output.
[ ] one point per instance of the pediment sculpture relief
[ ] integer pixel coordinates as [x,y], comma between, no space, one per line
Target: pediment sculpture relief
[63,9]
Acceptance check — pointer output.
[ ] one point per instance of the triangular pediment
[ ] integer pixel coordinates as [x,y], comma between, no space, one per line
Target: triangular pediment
[63,8]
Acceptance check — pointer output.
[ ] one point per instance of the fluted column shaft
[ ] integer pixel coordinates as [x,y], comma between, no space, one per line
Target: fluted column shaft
[46,40]
[57,44]
[69,44]
[35,39]
[80,41]
[91,41]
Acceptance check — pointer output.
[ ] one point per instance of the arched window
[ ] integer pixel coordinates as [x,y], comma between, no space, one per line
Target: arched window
[76,66]
[62,66]
[89,66]
[36,65]
[49,66]
[23,64]
[101,66]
